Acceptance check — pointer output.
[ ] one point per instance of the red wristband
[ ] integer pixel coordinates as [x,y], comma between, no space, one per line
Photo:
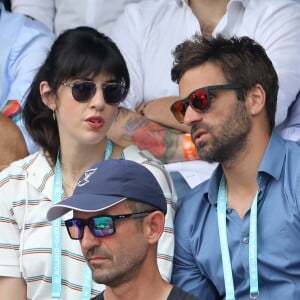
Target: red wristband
[188,148]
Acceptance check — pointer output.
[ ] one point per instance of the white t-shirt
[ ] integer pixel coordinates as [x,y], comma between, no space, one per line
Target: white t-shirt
[148,32]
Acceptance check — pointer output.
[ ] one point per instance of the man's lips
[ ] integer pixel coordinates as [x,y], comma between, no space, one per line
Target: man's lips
[199,135]
[97,262]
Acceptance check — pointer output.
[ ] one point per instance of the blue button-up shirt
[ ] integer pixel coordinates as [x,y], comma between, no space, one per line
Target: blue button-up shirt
[198,262]
[24,44]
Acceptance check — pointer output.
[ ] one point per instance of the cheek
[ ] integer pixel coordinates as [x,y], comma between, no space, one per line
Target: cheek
[110,114]
[126,249]
[68,107]
[83,249]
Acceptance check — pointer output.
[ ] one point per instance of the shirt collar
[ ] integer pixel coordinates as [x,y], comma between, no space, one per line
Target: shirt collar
[40,174]
[274,157]
[271,166]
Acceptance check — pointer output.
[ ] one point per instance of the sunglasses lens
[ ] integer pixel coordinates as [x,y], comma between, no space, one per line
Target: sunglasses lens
[178,109]
[114,93]
[75,228]
[102,226]
[83,91]
[199,100]
[99,226]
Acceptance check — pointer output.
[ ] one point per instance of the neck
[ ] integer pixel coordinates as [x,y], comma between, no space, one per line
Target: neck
[75,160]
[241,173]
[142,283]
[208,13]
[158,290]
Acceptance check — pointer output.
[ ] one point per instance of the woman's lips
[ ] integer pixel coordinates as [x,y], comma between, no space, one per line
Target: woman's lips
[95,122]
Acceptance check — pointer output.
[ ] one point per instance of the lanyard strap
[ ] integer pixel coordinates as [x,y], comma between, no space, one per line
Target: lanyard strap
[56,236]
[226,262]
[56,261]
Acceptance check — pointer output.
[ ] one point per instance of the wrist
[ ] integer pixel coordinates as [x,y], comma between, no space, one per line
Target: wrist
[142,111]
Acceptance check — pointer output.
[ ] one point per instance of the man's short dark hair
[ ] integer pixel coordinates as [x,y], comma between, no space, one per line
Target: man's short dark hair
[241,59]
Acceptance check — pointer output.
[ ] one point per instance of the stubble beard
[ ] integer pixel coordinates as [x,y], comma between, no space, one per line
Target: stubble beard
[114,273]
[230,141]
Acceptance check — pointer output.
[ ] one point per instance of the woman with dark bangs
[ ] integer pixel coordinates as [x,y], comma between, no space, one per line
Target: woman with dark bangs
[71,104]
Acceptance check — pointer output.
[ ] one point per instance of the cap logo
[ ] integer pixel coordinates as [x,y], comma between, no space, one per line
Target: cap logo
[86,176]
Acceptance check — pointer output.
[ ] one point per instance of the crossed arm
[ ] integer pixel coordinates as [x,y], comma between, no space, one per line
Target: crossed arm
[151,127]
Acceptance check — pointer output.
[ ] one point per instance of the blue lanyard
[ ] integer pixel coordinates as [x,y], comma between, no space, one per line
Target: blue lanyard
[56,264]
[227,269]
[56,236]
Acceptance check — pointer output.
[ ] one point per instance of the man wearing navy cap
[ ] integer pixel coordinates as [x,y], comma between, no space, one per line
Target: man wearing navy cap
[118,216]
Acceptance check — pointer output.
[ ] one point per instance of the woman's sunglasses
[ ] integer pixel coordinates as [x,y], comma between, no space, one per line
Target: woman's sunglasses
[199,100]
[99,226]
[113,92]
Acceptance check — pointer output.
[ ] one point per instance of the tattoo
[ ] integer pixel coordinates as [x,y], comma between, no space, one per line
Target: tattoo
[158,140]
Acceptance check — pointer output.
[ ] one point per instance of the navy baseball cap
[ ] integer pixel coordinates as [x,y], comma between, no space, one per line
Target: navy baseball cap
[108,183]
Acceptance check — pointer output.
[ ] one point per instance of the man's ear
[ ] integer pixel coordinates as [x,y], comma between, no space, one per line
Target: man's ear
[48,98]
[257,99]
[154,226]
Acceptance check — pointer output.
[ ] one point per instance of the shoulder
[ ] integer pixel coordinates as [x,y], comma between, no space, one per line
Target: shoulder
[270,9]
[283,152]
[197,210]
[25,165]
[198,196]
[23,25]
[292,157]
[36,34]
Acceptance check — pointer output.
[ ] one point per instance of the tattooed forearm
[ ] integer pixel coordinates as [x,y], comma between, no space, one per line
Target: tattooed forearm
[161,141]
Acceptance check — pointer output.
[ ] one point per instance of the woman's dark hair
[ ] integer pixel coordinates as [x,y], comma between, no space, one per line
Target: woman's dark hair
[242,61]
[82,52]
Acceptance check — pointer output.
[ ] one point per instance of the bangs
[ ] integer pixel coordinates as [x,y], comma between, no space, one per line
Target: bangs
[91,64]
[87,54]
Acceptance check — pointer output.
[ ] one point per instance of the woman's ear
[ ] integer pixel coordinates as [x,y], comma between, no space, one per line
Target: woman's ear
[48,98]
[257,99]
[154,223]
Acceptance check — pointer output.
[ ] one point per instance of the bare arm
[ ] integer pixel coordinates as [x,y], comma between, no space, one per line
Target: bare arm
[158,110]
[12,288]
[12,143]
[132,128]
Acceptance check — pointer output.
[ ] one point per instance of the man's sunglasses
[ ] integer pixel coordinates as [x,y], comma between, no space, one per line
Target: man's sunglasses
[199,99]
[99,226]
[113,92]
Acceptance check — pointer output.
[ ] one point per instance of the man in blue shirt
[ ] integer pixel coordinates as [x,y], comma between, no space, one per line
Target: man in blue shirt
[24,46]
[236,235]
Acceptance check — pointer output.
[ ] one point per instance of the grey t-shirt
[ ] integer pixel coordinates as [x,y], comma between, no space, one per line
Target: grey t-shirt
[175,294]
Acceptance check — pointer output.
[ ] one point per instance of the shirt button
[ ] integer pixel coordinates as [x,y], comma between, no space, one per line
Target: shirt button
[245,240]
